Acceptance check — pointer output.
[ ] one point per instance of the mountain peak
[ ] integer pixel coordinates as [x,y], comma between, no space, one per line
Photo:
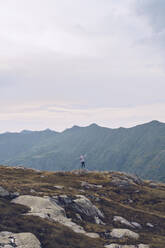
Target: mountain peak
[93,125]
[48,130]
[155,122]
[26,131]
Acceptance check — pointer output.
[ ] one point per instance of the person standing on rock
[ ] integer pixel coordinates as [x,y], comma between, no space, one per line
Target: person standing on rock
[82,160]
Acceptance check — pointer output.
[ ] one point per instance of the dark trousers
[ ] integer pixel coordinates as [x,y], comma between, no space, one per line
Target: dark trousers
[83,164]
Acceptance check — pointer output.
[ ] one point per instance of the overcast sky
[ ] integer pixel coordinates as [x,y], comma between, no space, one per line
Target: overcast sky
[75,62]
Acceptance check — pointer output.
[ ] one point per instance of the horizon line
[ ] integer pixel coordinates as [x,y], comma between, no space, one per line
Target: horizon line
[92,124]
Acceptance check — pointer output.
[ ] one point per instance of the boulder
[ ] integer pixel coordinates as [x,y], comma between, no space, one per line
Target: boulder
[120,182]
[150,225]
[83,205]
[32,191]
[42,207]
[14,194]
[93,235]
[120,246]
[90,186]
[136,225]
[113,246]
[3,192]
[46,207]
[126,246]
[123,221]
[98,221]
[143,246]
[124,180]
[59,187]
[19,240]
[63,200]
[153,185]
[122,233]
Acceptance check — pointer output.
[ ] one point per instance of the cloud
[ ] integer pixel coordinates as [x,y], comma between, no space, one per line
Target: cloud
[152,12]
[62,116]
[97,54]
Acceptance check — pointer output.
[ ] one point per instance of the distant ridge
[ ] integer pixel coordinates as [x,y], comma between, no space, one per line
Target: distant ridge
[155,122]
[139,149]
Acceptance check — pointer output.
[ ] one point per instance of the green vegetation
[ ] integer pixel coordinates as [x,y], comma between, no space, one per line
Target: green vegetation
[139,150]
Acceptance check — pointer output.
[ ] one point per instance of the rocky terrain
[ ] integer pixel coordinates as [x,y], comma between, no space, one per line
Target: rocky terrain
[80,209]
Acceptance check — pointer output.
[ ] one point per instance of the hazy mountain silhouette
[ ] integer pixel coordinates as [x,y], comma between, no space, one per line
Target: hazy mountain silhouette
[140,149]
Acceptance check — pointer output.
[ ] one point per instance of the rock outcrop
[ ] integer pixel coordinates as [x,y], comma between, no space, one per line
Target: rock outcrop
[49,209]
[126,246]
[84,206]
[19,240]
[81,205]
[122,233]
[3,192]
[42,207]
[123,221]
[90,186]
[123,180]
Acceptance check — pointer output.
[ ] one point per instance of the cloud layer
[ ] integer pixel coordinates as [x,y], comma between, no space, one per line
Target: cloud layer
[103,58]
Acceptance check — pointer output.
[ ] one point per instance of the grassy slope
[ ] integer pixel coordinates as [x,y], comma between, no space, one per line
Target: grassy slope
[140,149]
[148,206]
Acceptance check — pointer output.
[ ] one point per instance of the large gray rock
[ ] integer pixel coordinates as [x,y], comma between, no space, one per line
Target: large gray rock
[59,187]
[126,246]
[20,240]
[93,235]
[120,246]
[84,206]
[49,209]
[150,225]
[3,192]
[143,246]
[122,233]
[42,207]
[136,225]
[81,205]
[90,186]
[123,180]
[123,221]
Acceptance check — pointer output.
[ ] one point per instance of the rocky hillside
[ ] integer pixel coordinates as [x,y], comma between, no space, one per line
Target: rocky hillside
[80,209]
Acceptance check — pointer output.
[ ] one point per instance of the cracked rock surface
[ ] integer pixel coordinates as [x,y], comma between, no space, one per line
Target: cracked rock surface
[19,240]
[46,208]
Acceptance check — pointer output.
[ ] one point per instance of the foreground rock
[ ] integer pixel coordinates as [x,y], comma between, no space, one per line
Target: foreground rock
[82,206]
[3,192]
[122,233]
[126,246]
[7,194]
[90,186]
[59,187]
[19,240]
[49,209]
[123,221]
[40,206]
[123,180]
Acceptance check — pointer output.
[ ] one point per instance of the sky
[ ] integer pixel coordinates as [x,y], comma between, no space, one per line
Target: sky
[77,62]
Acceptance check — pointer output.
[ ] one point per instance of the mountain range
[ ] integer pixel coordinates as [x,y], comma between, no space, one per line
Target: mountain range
[138,150]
